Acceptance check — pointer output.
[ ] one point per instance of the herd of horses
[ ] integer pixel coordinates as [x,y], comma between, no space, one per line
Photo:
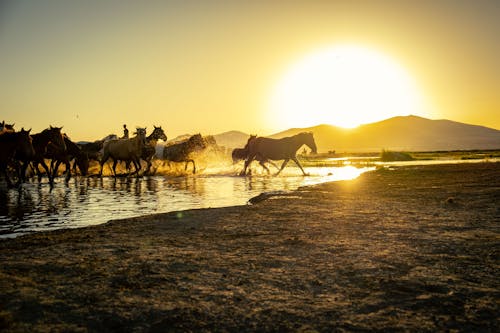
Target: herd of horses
[20,150]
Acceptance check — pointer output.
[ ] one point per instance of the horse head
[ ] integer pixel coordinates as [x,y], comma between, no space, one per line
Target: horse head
[56,137]
[82,161]
[25,144]
[158,134]
[309,141]
[141,134]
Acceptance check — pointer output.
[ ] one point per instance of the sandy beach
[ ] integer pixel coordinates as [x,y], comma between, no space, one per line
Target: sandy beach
[403,249]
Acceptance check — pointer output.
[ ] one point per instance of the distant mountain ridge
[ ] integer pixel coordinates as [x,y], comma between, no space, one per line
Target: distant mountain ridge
[402,133]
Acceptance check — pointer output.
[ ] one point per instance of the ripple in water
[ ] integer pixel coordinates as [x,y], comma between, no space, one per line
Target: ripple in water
[91,201]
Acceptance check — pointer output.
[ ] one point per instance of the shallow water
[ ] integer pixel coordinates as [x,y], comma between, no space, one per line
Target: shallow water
[91,201]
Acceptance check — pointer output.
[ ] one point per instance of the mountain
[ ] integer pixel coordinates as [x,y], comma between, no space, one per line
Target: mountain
[407,133]
[232,139]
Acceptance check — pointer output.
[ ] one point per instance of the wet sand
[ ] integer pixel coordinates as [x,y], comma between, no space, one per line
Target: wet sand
[410,249]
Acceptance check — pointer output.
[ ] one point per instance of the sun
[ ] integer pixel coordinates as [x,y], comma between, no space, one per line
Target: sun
[344,86]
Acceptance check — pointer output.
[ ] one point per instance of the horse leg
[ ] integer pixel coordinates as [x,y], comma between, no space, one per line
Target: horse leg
[273,164]
[114,167]
[300,166]
[6,174]
[283,165]
[22,171]
[261,162]
[55,168]
[247,163]
[103,160]
[137,164]
[68,171]
[47,170]
[35,168]
[194,166]
[148,166]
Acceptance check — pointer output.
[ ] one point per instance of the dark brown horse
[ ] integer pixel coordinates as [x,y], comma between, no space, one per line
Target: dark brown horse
[12,144]
[73,152]
[41,141]
[240,154]
[279,149]
[181,152]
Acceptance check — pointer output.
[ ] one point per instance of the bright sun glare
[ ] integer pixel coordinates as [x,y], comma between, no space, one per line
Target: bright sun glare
[344,86]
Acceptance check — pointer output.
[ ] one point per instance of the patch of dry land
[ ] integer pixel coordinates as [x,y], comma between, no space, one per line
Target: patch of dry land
[410,249]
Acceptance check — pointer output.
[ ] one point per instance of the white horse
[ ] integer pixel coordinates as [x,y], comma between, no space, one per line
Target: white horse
[125,150]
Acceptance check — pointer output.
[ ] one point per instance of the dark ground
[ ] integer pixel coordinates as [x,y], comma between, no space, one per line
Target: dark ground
[410,249]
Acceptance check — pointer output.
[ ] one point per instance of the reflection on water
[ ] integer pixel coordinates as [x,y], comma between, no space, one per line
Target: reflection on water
[90,201]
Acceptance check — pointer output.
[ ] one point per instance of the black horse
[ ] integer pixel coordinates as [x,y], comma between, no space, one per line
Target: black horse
[41,141]
[73,152]
[12,144]
[241,154]
[181,152]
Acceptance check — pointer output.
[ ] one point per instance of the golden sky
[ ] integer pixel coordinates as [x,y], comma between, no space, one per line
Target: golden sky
[212,66]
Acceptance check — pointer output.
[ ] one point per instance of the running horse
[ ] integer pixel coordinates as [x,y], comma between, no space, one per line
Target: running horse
[279,149]
[181,152]
[239,154]
[12,144]
[73,152]
[41,141]
[125,150]
[149,149]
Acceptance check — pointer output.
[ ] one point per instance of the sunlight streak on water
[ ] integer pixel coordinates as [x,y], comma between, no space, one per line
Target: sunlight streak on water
[91,201]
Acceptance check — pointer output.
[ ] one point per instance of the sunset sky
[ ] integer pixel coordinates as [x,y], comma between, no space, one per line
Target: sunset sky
[215,66]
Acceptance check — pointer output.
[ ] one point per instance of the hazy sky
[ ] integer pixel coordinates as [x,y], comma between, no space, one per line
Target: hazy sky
[212,66]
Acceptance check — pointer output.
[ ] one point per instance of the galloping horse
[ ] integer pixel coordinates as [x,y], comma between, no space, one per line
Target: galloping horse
[180,152]
[149,149]
[125,150]
[239,154]
[279,149]
[41,141]
[11,144]
[73,152]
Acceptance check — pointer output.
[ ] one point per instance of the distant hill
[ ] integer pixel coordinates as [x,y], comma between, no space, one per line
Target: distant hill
[232,139]
[229,140]
[406,133]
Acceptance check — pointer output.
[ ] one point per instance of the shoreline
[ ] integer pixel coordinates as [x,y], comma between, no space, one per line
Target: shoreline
[414,248]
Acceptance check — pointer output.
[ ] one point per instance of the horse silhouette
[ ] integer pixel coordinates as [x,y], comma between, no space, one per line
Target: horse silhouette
[181,152]
[240,154]
[73,152]
[41,140]
[12,144]
[149,149]
[285,149]
[125,150]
